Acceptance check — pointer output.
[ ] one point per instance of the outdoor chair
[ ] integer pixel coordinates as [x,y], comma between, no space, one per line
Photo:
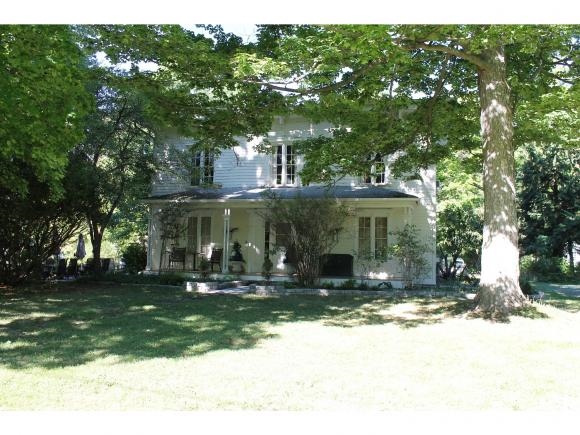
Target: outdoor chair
[61,268]
[177,255]
[73,267]
[216,258]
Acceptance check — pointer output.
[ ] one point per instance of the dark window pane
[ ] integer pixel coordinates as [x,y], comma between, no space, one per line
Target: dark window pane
[279,165]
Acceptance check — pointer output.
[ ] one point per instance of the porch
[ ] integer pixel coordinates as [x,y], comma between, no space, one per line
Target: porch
[208,222]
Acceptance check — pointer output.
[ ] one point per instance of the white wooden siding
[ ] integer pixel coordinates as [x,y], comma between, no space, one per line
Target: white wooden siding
[244,167]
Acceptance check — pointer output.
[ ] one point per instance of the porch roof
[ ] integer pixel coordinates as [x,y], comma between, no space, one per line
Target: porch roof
[255,193]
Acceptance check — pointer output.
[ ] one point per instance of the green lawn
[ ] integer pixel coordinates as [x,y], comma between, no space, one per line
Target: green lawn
[110,347]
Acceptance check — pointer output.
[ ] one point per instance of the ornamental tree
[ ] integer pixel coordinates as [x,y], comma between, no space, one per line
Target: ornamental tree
[312,226]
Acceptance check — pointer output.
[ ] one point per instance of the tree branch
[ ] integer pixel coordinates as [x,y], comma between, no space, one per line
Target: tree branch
[557,77]
[414,45]
[322,89]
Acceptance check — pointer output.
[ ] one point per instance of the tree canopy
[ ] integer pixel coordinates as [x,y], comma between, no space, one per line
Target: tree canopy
[44,99]
[424,93]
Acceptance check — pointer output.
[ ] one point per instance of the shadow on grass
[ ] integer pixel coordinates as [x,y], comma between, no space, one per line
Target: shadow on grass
[405,313]
[530,311]
[83,324]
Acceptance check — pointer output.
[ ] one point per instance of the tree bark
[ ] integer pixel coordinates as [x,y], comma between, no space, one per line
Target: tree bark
[570,246]
[96,241]
[499,290]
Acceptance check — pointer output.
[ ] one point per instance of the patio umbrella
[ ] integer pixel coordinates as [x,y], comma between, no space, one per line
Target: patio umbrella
[80,252]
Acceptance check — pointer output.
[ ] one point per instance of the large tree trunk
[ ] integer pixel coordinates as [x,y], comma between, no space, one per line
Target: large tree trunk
[499,286]
[96,242]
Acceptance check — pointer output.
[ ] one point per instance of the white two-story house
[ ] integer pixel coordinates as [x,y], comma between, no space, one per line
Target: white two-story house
[220,202]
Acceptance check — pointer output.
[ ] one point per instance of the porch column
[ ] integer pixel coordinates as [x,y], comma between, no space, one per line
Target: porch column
[252,244]
[226,252]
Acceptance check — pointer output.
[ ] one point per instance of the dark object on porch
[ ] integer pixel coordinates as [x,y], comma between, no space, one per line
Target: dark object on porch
[216,258]
[177,255]
[290,256]
[61,268]
[73,267]
[336,265]
[105,264]
[237,252]
[89,266]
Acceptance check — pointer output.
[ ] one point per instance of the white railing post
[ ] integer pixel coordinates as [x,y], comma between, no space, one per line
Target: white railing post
[226,251]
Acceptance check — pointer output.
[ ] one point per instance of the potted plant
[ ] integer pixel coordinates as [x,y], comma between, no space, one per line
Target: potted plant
[204,266]
[236,259]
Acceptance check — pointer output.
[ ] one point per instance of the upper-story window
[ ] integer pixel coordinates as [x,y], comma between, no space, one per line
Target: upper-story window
[202,168]
[284,165]
[377,171]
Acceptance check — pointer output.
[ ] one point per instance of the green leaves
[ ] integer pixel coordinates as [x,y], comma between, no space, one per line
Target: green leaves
[405,87]
[42,75]
[548,199]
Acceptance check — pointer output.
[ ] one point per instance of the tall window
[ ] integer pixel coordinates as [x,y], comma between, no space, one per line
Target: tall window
[364,235]
[372,236]
[205,234]
[267,239]
[202,168]
[380,236]
[192,236]
[199,234]
[377,170]
[285,165]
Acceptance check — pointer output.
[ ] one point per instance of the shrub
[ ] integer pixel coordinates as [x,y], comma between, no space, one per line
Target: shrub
[349,284]
[311,227]
[170,279]
[549,265]
[545,268]
[124,278]
[204,266]
[526,264]
[327,285]
[135,258]
[267,266]
[410,252]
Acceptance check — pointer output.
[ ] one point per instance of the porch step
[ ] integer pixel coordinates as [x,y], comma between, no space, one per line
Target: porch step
[205,287]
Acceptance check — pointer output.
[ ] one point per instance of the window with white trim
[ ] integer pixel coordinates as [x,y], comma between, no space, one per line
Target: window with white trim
[377,170]
[380,236]
[202,168]
[364,235]
[372,236]
[199,234]
[284,165]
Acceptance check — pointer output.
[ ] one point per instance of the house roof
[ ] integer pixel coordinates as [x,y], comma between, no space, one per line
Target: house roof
[236,193]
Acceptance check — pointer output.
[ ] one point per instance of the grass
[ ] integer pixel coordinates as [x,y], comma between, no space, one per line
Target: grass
[110,347]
